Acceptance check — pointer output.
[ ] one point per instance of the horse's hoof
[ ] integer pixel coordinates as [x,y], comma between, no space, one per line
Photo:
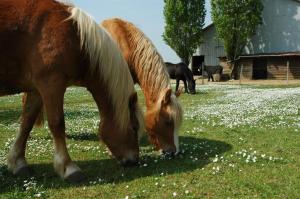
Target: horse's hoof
[129,163]
[76,177]
[169,156]
[24,171]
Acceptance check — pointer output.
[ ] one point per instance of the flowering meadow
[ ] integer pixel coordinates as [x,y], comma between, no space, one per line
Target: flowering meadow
[236,142]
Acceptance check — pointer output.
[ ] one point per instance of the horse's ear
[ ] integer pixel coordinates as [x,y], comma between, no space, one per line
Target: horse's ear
[132,101]
[167,98]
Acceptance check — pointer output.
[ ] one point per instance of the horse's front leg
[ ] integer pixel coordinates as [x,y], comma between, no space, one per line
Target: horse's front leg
[185,86]
[212,78]
[16,158]
[53,96]
[177,84]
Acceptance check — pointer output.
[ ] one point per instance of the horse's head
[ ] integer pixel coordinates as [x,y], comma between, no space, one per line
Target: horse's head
[163,122]
[123,143]
[190,80]
[192,86]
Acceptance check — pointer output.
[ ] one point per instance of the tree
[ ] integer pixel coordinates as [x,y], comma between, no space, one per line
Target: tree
[235,22]
[184,22]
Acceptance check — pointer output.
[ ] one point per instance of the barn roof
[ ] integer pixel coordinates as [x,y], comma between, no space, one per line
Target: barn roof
[285,54]
[208,26]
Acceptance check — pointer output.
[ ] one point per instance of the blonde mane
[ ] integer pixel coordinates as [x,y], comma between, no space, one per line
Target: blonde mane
[148,63]
[106,58]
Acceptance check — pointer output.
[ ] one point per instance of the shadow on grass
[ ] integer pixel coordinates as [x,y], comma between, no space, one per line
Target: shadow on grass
[85,136]
[110,172]
[10,116]
[75,115]
[93,136]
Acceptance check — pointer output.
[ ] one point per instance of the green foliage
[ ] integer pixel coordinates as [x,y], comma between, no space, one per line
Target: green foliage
[236,22]
[184,22]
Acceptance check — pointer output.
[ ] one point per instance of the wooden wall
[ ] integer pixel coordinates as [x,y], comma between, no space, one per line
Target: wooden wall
[246,65]
[226,68]
[294,68]
[276,68]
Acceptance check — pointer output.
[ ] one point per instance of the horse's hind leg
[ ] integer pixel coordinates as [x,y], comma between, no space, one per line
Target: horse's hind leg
[53,96]
[16,158]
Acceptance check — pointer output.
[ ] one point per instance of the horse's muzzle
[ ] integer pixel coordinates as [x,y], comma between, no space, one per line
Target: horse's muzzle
[129,162]
[170,153]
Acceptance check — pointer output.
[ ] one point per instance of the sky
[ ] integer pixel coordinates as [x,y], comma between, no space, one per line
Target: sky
[147,15]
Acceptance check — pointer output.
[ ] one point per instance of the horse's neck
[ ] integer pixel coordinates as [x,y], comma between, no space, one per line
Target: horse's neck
[152,94]
[152,99]
[102,100]
[152,76]
[187,74]
[148,71]
[111,108]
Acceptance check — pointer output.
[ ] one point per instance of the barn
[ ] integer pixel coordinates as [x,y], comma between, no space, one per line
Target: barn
[209,51]
[273,53]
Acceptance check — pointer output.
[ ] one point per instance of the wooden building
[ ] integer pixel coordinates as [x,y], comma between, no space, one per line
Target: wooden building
[209,51]
[270,66]
[273,53]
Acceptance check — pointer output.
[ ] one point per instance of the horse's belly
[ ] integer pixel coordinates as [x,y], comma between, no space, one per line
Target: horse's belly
[172,76]
[12,82]
[8,89]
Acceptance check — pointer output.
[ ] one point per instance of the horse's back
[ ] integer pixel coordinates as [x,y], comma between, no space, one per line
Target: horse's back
[34,40]
[176,71]
[170,65]
[213,69]
[120,31]
[171,68]
[27,24]
[13,43]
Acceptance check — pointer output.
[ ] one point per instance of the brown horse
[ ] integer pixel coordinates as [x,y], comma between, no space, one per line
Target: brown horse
[46,46]
[164,113]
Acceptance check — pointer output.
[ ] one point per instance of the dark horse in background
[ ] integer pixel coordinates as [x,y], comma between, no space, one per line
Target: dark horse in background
[179,72]
[211,70]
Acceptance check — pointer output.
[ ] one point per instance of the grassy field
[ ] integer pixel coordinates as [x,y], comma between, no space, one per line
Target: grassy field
[237,142]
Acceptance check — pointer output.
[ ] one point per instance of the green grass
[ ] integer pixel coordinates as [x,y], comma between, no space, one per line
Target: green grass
[237,142]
